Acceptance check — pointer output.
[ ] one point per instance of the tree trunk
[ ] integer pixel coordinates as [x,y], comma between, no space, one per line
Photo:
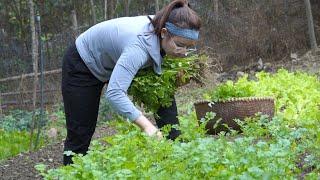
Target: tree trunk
[116,6]
[74,24]
[312,35]
[157,6]
[216,10]
[93,11]
[105,9]
[126,6]
[35,57]
[286,11]
[48,54]
[111,9]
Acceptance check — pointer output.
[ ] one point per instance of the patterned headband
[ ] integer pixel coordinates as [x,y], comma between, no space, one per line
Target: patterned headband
[186,33]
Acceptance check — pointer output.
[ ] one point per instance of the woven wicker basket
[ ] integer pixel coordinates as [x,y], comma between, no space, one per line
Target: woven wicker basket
[234,108]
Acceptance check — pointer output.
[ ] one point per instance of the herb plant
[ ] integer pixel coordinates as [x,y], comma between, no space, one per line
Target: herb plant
[154,91]
[285,148]
[269,150]
[14,142]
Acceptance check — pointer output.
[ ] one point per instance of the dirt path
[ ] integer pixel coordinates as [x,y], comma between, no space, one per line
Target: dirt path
[22,166]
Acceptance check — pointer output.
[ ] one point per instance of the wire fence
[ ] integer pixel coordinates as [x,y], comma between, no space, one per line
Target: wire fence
[16,82]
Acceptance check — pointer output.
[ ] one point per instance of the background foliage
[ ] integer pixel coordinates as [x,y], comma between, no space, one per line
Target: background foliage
[238,32]
[241,31]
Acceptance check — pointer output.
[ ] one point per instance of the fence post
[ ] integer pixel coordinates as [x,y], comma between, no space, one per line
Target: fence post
[39,121]
[35,57]
[0,104]
[21,96]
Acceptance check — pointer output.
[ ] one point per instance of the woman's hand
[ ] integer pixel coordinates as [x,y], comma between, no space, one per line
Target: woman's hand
[146,126]
[154,132]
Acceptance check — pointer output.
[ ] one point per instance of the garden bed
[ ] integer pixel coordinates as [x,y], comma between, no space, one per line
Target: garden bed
[22,165]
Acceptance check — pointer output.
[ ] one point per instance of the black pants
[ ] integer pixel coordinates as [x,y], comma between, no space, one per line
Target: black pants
[81,92]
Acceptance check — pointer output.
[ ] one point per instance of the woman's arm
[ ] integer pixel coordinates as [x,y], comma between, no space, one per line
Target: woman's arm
[132,59]
[146,126]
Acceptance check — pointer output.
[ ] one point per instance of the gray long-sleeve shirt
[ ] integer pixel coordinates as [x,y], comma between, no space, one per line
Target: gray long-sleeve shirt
[114,51]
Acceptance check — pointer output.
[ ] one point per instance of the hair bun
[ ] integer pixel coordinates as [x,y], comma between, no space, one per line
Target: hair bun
[182,3]
[186,3]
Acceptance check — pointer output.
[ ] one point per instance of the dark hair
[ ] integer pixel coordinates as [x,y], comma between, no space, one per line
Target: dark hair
[179,13]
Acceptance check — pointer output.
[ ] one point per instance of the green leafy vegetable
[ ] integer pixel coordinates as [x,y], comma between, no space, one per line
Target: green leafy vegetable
[288,147]
[297,95]
[154,91]
[14,142]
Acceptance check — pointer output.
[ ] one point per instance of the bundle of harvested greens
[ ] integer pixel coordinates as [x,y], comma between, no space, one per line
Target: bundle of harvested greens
[154,91]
